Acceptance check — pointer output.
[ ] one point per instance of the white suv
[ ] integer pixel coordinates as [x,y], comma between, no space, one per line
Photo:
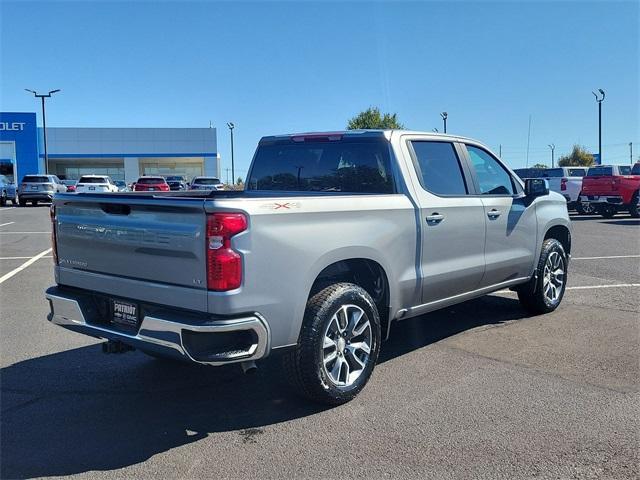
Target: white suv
[95,184]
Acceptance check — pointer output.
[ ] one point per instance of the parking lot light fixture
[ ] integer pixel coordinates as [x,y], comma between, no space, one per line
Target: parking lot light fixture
[42,96]
[444,116]
[599,100]
[233,172]
[552,147]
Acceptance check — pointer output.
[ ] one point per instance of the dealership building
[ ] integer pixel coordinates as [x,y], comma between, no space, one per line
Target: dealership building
[121,153]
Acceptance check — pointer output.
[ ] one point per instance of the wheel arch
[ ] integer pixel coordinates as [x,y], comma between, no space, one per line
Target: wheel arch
[562,233]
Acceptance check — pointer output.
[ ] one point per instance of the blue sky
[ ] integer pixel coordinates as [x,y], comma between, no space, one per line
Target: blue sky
[279,67]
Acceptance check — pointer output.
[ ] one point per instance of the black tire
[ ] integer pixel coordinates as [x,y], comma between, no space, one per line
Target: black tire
[305,364]
[531,295]
[34,203]
[23,203]
[584,208]
[3,199]
[607,211]
[633,207]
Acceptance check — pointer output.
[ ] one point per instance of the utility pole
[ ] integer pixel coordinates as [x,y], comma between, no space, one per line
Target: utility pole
[552,147]
[444,116]
[42,96]
[599,99]
[500,151]
[528,140]
[233,171]
[631,153]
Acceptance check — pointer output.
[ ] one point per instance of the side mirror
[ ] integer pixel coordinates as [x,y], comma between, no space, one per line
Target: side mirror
[536,187]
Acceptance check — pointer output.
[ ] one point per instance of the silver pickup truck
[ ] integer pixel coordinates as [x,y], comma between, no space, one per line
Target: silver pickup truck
[336,236]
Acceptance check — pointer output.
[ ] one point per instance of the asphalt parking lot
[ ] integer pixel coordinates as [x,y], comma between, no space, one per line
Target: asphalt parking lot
[480,390]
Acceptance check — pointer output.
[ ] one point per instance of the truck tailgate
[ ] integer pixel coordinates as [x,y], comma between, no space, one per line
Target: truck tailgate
[597,185]
[132,237]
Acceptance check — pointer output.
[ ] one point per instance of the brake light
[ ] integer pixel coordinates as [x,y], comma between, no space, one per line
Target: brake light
[224,265]
[318,137]
[54,246]
[563,184]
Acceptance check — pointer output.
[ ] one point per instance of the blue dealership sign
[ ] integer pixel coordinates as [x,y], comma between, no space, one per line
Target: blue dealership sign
[596,159]
[19,143]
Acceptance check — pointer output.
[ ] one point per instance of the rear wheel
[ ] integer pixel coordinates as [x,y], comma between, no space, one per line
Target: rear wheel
[544,292]
[338,345]
[34,203]
[23,203]
[634,210]
[3,198]
[584,208]
[607,211]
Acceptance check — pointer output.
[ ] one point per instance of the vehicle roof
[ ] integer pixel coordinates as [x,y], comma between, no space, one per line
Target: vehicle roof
[206,176]
[93,175]
[368,133]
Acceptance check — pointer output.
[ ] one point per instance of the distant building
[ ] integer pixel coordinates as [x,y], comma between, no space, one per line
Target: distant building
[122,153]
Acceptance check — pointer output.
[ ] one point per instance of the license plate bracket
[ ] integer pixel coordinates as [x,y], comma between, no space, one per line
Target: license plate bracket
[124,313]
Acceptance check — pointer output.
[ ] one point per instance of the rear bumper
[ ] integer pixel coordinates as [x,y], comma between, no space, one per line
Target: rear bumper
[611,199]
[205,340]
[44,196]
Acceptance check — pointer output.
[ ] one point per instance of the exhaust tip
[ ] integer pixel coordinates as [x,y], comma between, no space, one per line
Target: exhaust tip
[249,367]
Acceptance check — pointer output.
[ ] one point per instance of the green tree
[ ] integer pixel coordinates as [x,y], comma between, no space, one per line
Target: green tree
[539,165]
[579,157]
[372,118]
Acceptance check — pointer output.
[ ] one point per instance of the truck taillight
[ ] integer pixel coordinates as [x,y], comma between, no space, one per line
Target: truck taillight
[563,183]
[54,247]
[224,265]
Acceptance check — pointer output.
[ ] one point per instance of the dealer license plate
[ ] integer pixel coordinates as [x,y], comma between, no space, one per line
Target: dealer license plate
[124,313]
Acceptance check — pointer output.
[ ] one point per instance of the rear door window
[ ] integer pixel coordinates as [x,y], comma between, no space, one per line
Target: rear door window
[624,170]
[439,168]
[323,166]
[492,177]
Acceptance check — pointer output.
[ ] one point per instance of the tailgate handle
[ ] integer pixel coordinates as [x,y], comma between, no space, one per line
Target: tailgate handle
[115,208]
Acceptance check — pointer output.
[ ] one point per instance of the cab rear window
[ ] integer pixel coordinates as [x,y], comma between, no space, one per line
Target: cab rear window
[599,172]
[323,166]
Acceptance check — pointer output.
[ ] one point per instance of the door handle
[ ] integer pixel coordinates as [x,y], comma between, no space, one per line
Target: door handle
[493,213]
[435,218]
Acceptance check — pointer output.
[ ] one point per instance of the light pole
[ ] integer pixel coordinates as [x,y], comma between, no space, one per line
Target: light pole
[599,99]
[552,147]
[42,96]
[233,172]
[444,116]
[631,152]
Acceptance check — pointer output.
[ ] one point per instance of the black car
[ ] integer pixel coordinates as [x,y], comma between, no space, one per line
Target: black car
[177,182]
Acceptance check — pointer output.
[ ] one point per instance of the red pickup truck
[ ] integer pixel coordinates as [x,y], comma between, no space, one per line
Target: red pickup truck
[612,188]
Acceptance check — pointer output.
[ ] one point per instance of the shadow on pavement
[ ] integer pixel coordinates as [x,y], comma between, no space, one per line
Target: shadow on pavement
[629,222]
[79,410]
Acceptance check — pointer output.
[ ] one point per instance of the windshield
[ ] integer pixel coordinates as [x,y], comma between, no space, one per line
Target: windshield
[149,180]
[120,183]
[206,181]
[175,179]
[35,179]
[358,166]
[93,180]
[553,173]
[576,172]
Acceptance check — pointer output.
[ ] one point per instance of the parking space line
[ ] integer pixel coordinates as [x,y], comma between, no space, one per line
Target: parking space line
[23,258]
[13,272]
[604,258]
[19,233]
[5,224]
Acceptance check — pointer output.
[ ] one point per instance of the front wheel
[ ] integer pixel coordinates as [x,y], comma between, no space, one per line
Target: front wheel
[634,210]
[544,292]
[607,211]
[338,345]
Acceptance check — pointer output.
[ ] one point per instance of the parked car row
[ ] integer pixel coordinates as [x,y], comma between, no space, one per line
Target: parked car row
[601,189]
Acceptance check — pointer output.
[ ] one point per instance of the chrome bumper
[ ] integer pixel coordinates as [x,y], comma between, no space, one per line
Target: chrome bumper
[163,335]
